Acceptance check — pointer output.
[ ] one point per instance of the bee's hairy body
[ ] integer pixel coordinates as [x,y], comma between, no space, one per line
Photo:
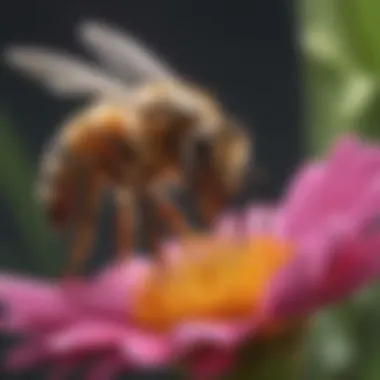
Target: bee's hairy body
[146,127]
[122,146]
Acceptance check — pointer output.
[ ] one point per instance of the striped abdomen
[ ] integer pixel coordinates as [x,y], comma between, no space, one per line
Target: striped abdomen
[94,146]
[56,183]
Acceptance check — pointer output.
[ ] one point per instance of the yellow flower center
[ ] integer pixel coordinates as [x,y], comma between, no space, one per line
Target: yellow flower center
[213,279]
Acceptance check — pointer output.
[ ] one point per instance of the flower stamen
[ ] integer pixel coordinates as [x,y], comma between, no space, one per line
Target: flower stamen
[223,279]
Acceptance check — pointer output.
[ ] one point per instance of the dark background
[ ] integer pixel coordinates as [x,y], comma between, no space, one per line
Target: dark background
[242,50]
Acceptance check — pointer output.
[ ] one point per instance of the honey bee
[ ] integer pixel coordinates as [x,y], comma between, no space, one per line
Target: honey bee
[144,129]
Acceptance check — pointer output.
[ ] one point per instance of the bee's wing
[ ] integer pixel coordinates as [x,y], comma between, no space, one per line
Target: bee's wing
[62,74]
[123,53]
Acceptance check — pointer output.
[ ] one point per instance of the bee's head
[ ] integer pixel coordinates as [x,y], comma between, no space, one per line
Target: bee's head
[219,166]
[231,156]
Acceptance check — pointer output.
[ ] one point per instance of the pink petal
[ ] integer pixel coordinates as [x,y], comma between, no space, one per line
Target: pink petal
[295,288]
[330,191]
[289,293]
[356,263]
[345,181]
[85,336]
[300,190]
[258,220]
[145,349]
[349,263]
[367,204]
[31,304]
[226,226]
[25,356]
[106,295]
[171,253]
[339,197]
[212,333]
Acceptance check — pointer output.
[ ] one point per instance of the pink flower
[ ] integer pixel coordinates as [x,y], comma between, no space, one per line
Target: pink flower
[331,211]
[265,266]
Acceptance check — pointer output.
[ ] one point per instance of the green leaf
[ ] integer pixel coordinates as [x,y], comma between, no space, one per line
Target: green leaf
[362,21]
[340,91]
[339,40]
[323,34]
[16,185]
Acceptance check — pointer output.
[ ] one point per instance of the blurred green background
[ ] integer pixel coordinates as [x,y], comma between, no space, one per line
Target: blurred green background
[340,45]
[339,42]
[17,179]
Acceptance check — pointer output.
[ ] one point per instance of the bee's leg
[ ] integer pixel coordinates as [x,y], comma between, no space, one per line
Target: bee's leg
[168,212]
[211,207]
[125,203]
[148,221]
[154,232]
[84,227]
[208,193]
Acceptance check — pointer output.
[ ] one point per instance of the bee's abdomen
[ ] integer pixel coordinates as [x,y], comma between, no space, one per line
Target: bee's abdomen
[56,183]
